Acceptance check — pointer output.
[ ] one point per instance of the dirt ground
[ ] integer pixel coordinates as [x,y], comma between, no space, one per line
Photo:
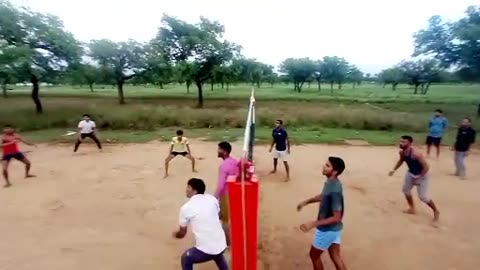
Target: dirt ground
[113,211]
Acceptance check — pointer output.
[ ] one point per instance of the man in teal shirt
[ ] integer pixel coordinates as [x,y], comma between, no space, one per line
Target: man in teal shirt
[436,127]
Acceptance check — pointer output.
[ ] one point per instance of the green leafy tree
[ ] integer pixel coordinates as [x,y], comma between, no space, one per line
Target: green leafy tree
[298,70]
[422,73]
[44,45]
[334,69]
[122,60]
[393,76]
[354,75]
[201,43]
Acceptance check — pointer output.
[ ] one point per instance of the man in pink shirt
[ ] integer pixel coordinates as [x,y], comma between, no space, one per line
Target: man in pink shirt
[228,168]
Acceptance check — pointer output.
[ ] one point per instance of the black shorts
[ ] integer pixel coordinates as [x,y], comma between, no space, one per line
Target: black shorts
[18,156]
[433,140]
[87,135]
[179,153]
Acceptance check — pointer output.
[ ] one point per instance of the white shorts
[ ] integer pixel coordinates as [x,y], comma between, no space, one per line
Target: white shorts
[282,155]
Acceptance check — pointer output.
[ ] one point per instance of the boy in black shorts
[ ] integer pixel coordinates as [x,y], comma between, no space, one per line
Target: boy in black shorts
[179,146]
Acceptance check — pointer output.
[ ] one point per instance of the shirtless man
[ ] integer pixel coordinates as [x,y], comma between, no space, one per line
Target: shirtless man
[416,176]
[10,148]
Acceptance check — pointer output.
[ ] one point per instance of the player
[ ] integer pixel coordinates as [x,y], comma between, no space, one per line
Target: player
[10,148]
[201,213]
[437,126]
[228,168]
[282,147]
[465,138]
[86,129]
[329,224]
[416,176]
[179,146]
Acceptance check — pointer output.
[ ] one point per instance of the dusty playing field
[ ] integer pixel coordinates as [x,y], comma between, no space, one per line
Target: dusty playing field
[113,210]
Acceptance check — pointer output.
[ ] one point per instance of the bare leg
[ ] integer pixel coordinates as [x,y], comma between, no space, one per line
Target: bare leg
[77,144]
[411,206]
[429,146]
[287,170]
[226,229]
[192,159]
[438,150]
[436,213]
[5,164]
[334,252]
[167,160]
[95,139]
[275,162]
[315,256]
[28,165]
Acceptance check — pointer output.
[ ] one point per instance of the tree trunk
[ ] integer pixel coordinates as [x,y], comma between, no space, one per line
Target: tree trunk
[4,90]
[339,86]
[331,87]
[223,84]
[427,86]
[300,87]
[478,110]
[188,86]
[319,86]
[228,86]
[258,84]
[394,86]
[211,85]
[35,92]
[200,93]
[160,84]
[91,87]
[416,89]
[121,98]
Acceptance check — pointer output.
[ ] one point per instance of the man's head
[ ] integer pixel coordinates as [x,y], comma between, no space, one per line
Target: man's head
[405,142]
[180,133]
[8,129]
[466,122]
[195,186]
[86,117]
[438,113]
[224,149]
[333,167]
[278,123]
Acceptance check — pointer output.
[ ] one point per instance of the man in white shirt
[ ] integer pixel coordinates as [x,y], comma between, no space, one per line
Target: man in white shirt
[179,146]
[86,128]
[201,212]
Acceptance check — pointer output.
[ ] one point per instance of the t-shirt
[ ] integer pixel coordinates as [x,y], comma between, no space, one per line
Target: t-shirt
[437,126]
[179,146]
[201,212]
[228,168]
[332,200]
[280,137]
[465,138]
[86,126]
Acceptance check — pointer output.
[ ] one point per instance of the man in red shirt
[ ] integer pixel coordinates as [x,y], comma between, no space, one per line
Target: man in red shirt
[10,148]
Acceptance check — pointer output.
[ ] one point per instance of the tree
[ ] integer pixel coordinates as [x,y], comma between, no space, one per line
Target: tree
[85,74]
[422,73]
[318,73]
[334,69]
[202,43]
[354,75]
[46,47]
[393,76]
[298,70]
[123,60]
[184,73]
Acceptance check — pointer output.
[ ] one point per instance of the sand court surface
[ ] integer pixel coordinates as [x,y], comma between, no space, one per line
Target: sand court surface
[113,210]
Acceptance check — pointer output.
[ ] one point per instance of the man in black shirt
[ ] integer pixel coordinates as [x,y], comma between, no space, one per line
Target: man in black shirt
[465,138]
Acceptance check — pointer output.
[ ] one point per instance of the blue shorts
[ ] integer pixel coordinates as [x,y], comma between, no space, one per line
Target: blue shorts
[324,239]
[18,156]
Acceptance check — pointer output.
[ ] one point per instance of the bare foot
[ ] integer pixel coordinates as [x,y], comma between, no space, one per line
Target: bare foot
[165,176]
[30,176]
[7,185]
[436,217]
[195,171]
[287,179]
[273,172]
[409,211]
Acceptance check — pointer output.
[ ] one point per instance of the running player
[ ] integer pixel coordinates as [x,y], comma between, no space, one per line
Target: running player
[282,147]
[10,141]
[416,176]
[201,213]
[228,168]
[329,224]
[437,126]
[86,129]
[179,146]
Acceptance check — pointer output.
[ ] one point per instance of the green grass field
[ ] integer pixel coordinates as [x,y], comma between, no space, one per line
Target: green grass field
[369,112]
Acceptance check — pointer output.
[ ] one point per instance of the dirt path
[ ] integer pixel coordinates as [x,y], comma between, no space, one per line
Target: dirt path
[113,210]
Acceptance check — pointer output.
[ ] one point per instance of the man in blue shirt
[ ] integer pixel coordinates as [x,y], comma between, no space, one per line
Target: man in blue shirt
[436,127]
[282,147]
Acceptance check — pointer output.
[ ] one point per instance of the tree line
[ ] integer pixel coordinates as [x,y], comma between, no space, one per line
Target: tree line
[36,47]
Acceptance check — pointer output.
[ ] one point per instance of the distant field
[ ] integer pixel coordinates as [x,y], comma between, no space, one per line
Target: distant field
[369,112]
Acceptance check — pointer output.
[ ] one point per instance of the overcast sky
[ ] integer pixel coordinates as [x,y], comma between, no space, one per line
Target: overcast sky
[372,34]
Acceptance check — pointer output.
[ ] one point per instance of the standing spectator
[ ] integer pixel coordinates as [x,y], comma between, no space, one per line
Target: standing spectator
[465,138]
[437,126]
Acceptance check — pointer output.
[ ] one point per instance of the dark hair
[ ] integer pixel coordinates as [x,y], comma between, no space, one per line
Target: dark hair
[439,111]
[179,132]
[7,126]
[86,115]
[338,164]
[197,184]
[408,138]
[280,121]
[468,118]
[225,146]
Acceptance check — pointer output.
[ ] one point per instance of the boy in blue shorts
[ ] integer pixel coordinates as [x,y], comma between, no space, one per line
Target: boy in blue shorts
[329,222]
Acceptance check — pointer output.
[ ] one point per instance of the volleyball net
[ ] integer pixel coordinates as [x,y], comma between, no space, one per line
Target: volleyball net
[244,201]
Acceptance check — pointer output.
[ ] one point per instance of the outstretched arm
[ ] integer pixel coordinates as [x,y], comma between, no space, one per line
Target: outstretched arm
[399,163]
[21,139]
[314,199]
